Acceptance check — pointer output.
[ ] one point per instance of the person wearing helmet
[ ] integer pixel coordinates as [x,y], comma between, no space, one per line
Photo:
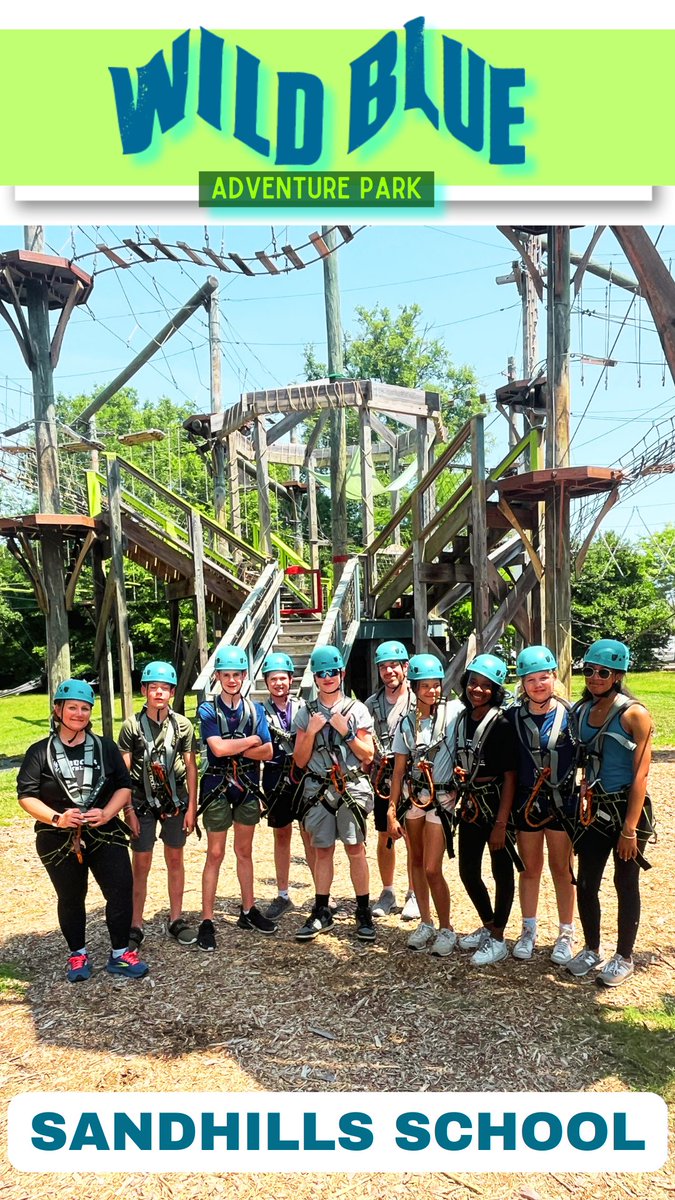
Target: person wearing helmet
[420,801]
[160,751]
[615,814]
[545,801]
[485,761]
[334,746]
[235,732]
[278,788]
[74,784]
[392,700]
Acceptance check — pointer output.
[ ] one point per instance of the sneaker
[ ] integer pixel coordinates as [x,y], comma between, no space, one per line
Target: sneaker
[206,936]
[446,940]
[278,907]
[584,962]
[317,922]
[563,951]
[79,968]
[254,919]
[182,932]
[385,904]
[471,941]
[420,937]
[410,910]
[128,964]
[136,936]
[524,947]
[365,930]
[615,972]
[489,952]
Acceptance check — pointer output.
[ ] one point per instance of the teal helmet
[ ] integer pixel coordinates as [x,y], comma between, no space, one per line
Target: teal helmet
[326,657]
[230,658]
[75,689]
[608,653]
[491,667]
[391,652]
[535,658]
[278,662]
[160,672]
[425,666]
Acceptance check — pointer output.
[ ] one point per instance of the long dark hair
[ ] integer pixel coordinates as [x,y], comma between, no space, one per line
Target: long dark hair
[618,687]
[496,695]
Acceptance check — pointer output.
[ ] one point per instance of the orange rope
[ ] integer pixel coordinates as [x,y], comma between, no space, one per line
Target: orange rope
[585,804]
[544,774]
[425,769]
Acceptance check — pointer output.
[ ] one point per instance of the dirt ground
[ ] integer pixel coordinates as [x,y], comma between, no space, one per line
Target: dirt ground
[272,1014]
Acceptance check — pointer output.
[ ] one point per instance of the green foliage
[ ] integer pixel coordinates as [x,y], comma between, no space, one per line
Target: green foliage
[617,596]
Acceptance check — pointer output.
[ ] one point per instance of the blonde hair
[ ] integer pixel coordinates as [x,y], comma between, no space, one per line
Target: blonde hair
[558,689]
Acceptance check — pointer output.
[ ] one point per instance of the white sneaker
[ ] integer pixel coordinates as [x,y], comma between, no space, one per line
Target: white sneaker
[490,952]
[471,941]
[615,972]
[385,904]
[410,911]
[584,962]
[524,947]
[563,951]
[420,937]
[445,942]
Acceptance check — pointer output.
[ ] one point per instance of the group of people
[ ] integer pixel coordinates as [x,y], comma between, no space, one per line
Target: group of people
[508,776]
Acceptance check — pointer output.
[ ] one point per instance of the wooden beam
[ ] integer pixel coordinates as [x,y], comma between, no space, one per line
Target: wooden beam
[64,316]
[367,473]
[30,565]
[124,650]
[284,426]
[581,555]
[187,673]
[104,608]
[75,573]
[197,543]
[478,533]
[512,237]
[511,517]
[586,258]
[263,480]
[656,283]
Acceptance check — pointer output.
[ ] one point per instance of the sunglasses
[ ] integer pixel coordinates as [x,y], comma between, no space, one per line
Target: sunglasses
[329,673]
[601,672]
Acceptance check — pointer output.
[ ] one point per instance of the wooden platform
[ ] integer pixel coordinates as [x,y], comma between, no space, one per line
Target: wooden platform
[530,486]
[36,524]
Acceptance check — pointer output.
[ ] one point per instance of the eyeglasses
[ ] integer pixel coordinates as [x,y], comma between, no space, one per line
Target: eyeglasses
[329,673]
[601,672]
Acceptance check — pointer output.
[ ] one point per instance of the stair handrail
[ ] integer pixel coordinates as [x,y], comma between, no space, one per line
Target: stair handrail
[259,614]
[333,631]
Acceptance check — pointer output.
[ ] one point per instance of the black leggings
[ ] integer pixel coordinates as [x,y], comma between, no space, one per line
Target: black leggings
[594,849]
[473,838]
[109,864]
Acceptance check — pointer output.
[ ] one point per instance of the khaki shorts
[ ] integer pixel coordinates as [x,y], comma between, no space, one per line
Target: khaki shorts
[326,827]
[170,831]
[219,816]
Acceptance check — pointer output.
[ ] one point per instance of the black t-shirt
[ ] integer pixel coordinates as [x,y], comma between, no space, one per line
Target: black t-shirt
[37,779]
[500,747]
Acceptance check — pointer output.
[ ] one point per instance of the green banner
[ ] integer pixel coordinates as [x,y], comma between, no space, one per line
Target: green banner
[491,108]
[286,189]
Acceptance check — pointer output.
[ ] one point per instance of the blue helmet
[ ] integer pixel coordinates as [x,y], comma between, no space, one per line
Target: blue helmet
[160,672]
[278,662]
[607,652]
[75,689]
[391,652]
[425,666]
[491,667]
[230,658]
[324,658]
[535,658]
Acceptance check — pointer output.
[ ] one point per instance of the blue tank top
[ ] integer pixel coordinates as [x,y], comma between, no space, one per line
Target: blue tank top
[616,763]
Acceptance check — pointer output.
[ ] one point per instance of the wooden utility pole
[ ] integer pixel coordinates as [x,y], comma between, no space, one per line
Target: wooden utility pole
[557,600]
[338,427]
[219,488]
[46,448]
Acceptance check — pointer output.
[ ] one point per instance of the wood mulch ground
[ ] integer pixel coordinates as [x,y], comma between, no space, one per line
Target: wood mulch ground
[272,1014]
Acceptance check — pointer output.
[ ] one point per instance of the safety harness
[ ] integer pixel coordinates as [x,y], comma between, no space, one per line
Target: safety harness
[477,803]
[606,811]
[228,770]
[82,795]
[383,736]
[547,799]
[334,781]
[420,789]
[159,758]
[287,781]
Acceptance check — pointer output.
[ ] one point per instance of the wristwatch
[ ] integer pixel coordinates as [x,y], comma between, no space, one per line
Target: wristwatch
[56,818]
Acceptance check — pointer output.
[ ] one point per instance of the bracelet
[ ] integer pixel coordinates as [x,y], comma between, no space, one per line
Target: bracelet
[501,823]
[628,836]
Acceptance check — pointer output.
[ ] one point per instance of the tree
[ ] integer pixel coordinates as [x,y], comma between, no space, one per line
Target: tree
[616,596]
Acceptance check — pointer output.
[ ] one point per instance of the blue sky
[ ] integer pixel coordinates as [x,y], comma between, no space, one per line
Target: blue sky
[449,271]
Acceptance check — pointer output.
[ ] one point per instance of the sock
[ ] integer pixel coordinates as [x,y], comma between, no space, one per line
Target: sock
[283,894]
[245,911]
[530,923]
[363,901]
[566,928]
[73,953]
[321,900]
[119,953]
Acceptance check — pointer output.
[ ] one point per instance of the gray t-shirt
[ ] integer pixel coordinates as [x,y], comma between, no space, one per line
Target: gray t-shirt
[421,731]
[378,704]
[328,741]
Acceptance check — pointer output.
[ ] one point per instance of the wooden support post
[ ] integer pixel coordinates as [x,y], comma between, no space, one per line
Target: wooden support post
[124,649]
[481,589]
[338,424]
[367,472]
[393,472]
[197,544]
[263,481]
[420,619]
[219,489]
[557,595]
[103,659]
[313,520]
[234,494]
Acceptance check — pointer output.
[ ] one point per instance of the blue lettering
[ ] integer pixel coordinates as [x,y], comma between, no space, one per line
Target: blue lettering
[253,1131]
[157,95]
[381,91]
[47,1136]
[441,1131]
[185,1138]
[415,1138]
[503,115]
[210,78]
[415,91]
[311,1141]
[230,1131]
[356,1137]
[274,1139]
[140,1134]
[486,1131]
[620,1139]
[246,103]
[293,84]
[555,1131]
[469,132]
[89,1132]
[574,1131]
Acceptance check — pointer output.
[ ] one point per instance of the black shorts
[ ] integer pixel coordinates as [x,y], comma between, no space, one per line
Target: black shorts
[546,812]
[380,813]
[283,809]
